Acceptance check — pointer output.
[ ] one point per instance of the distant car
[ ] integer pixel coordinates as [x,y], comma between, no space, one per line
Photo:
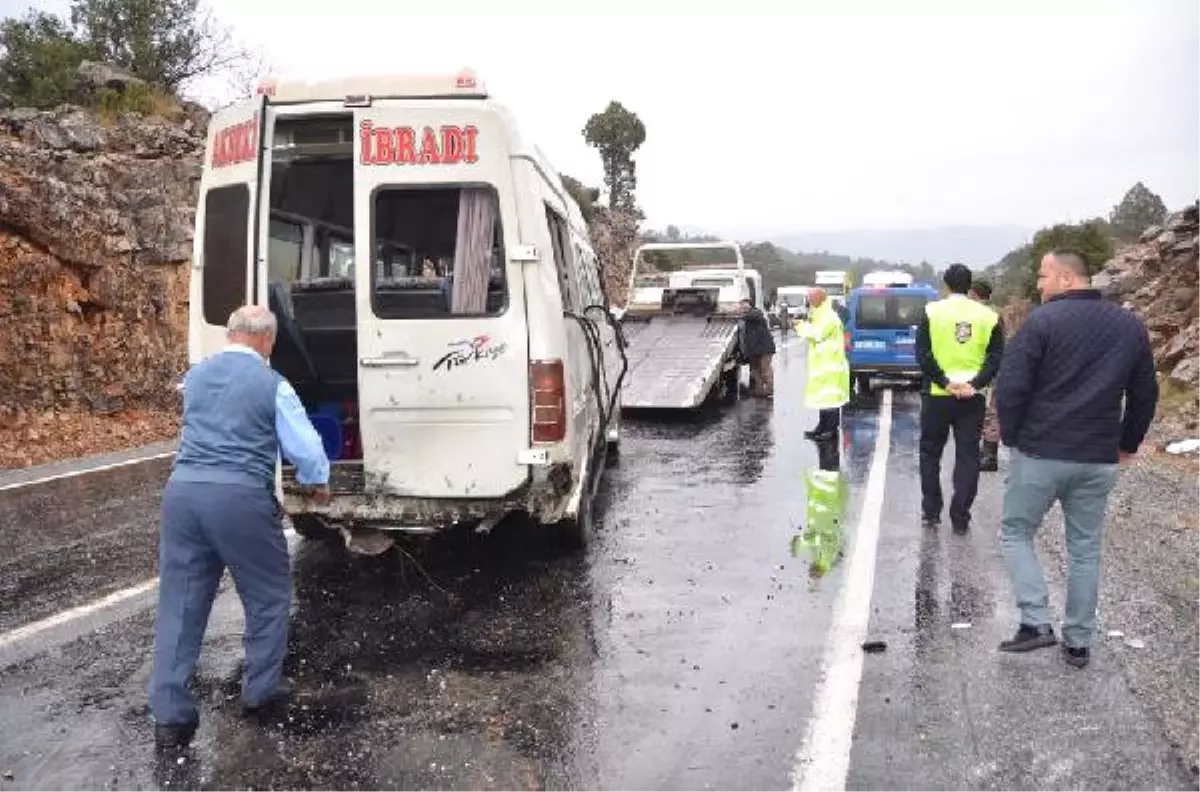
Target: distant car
[881,331]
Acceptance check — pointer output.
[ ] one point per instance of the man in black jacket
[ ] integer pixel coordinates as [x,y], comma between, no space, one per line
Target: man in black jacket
[1059,399]
[758,349]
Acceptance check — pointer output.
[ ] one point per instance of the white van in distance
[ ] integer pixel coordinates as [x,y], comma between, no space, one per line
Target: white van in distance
[440,307]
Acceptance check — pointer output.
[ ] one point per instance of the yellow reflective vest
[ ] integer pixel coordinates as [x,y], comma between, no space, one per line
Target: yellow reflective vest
[828,384]
[959,331]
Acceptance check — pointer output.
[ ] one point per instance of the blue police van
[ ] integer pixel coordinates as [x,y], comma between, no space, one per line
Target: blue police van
[881,332]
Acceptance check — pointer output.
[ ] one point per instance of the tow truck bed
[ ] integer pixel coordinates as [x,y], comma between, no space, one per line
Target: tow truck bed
[674,361]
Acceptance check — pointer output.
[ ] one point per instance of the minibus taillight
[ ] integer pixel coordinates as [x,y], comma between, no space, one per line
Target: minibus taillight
[548,396]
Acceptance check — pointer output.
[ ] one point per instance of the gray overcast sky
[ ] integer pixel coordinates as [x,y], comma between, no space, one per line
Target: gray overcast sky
[824,116]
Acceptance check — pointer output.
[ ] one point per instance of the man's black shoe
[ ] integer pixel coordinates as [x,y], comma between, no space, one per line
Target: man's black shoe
[811,433]
[824,437]
[1029,637]
[178,735]
[275,706]
[960,527]
[930,520]
[1077,656]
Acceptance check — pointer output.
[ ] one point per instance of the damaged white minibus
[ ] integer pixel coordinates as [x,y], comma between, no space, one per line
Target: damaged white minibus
[440,307]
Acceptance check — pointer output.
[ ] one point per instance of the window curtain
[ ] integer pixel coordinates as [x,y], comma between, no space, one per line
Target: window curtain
[473,251]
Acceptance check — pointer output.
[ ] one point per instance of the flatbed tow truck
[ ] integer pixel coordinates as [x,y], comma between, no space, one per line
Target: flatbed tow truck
[681,325]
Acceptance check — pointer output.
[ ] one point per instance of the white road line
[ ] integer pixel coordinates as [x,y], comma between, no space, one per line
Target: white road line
[86,471]
[30,630]
[117,597]
[823,759]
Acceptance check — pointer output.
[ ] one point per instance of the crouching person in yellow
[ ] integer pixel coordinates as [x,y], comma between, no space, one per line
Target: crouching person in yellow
[828,384]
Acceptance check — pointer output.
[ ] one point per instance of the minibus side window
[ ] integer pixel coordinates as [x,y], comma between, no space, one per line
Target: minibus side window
[226,235]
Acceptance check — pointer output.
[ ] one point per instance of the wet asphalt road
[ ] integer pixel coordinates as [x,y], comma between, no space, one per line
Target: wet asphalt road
[681,651]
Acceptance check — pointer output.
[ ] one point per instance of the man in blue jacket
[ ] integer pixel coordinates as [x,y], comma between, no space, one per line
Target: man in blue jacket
[219,511]
[1059,400]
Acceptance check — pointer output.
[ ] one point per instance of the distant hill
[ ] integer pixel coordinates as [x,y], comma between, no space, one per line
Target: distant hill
[975,246]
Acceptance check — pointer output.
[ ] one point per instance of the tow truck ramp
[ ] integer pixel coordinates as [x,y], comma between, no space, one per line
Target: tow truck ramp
[674,361]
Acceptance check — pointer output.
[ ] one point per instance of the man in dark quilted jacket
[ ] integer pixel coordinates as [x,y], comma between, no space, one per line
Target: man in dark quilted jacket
[1075,396]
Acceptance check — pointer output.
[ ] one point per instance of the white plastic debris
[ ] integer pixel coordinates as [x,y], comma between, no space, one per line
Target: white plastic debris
[1184,446]
[1115,634]
[1136,643]
[960,626]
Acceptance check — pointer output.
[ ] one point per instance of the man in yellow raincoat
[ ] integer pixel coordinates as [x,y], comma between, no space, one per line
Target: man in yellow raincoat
[828,384]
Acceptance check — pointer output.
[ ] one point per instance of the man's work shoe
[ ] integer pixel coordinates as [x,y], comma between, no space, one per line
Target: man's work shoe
[930,520]
[273,706]
[178,735]
[811,433]
[1077,656]
[1029,637]
[961,526]
[989,457]
[825,436]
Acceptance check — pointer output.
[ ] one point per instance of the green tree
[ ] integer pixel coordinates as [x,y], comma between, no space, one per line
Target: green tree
[167,43]
[617,133]
[1138,210]
[38,57]
[1092,238]
[586,197]
[164,42]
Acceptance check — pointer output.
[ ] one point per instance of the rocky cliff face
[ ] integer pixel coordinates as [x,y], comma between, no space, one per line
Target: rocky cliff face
[1158,278]
[95,239]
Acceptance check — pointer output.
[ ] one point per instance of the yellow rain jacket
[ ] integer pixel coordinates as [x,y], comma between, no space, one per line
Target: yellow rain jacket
[828,383]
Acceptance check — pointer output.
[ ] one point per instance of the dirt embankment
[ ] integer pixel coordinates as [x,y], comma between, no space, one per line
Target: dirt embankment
[95,240]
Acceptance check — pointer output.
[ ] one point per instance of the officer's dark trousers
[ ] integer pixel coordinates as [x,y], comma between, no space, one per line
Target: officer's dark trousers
[206,528]
[940,414]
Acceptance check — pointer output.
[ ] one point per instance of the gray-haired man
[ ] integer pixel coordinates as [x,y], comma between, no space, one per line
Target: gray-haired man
[219,511]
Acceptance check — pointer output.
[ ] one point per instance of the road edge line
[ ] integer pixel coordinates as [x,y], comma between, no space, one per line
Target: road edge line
[79,611]
[27,631]
[823,759]
[86,471]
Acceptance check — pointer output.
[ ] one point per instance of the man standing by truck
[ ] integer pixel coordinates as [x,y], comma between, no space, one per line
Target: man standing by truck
[758,349]
[828,384]
[219,511]
[989,454]
[959,347]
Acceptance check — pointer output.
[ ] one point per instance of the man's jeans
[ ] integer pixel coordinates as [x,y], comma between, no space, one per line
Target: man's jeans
[1082,488]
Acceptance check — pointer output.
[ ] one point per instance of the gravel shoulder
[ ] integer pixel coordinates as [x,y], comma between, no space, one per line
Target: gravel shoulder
[1150,591]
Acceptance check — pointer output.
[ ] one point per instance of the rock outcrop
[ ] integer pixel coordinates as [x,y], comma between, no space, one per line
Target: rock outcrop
[95,239]
[1158,278]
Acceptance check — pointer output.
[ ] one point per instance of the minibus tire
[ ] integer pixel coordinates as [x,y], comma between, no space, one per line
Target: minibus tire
[577,531]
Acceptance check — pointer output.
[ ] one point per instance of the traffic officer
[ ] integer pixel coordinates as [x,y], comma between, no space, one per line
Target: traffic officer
[959,347]
[989,454]
[219,511]
[828,384]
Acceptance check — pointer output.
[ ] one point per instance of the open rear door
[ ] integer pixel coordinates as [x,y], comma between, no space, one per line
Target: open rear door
[442,338]
[224,258]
